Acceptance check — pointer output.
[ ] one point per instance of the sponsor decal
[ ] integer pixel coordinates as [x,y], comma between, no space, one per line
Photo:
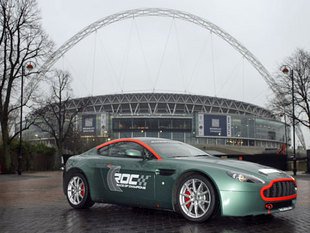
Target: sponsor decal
[117,180]
[111,178]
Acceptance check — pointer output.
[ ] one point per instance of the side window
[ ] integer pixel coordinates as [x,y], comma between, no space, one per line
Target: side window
[144,152]
[134,146]
[104,151]
[114,150]
[119,150]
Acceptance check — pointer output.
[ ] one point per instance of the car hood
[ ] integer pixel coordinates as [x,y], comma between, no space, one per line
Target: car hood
[237,166]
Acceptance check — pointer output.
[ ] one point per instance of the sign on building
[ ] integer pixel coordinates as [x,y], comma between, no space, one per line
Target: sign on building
[214,125]
[89,124]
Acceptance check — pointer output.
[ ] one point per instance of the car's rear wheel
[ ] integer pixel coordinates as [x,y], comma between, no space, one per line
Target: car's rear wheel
[196,198]
[78,192]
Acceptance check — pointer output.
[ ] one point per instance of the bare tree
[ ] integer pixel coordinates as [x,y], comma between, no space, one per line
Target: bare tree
[21,40]
[54,115]
[299,62]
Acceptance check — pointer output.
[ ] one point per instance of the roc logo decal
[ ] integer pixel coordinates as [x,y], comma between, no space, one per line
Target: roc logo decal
[117,180]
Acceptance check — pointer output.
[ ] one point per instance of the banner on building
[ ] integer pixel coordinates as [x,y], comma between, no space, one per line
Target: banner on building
[214,125]
[89,124]
[104,124]
[201,124]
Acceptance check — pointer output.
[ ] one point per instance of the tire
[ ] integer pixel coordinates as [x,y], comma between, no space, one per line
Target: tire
[196,198]
[77,191]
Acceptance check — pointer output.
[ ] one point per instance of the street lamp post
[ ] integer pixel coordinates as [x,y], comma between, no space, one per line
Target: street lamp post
[29,67]
[286,69]
[285,133]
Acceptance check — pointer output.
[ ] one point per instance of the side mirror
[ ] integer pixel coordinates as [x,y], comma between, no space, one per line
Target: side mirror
[133,153]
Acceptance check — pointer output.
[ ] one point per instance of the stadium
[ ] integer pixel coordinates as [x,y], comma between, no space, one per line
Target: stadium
[193,119]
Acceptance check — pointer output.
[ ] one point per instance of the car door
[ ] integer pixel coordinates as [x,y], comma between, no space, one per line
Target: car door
[126,179]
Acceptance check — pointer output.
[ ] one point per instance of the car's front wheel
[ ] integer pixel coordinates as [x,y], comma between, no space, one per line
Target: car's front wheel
[78,191]
[196,198]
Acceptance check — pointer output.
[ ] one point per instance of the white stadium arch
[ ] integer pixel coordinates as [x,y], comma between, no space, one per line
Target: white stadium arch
[144,12]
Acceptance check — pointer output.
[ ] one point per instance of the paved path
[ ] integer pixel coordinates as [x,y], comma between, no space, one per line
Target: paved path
[34,202]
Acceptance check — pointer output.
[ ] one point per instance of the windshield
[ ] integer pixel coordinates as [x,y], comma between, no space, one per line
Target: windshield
[176,149]
[90,151]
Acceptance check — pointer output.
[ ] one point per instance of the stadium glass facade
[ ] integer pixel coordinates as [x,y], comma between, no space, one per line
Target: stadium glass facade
[244,130]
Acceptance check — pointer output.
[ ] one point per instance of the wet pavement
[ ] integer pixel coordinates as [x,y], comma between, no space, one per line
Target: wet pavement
[34,202]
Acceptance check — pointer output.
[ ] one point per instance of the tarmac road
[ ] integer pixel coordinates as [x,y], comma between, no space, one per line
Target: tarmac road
[34,202]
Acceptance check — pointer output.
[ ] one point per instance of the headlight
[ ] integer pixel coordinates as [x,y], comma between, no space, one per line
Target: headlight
[245,177]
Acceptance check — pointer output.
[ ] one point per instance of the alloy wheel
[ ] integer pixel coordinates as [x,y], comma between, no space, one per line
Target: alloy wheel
[195,198]
[76,190]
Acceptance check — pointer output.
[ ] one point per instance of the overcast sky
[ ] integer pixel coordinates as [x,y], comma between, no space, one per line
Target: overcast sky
[170,55]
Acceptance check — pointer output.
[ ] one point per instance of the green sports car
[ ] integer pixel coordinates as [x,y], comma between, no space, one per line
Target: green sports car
[166,174]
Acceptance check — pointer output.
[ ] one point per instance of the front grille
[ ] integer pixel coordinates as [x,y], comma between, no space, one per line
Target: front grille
[281,189]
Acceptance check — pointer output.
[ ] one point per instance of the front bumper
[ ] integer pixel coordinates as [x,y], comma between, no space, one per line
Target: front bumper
[277,196]
[235,203]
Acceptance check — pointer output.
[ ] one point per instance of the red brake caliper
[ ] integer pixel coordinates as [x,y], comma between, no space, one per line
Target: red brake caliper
[187,199]
[82,190]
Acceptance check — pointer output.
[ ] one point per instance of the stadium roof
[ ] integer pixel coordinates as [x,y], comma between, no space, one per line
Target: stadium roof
[166,104]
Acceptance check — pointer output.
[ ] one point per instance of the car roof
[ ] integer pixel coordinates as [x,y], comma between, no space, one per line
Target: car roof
[150,139]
